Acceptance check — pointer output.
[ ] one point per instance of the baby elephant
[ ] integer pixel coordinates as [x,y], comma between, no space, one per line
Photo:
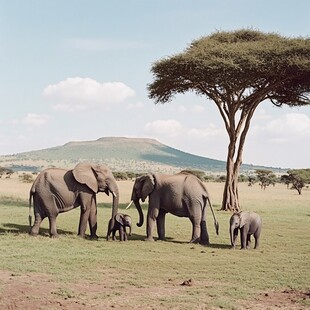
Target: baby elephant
[249,224]
[121,222]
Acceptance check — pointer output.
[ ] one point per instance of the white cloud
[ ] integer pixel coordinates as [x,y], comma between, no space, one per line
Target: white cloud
[35,119]
[193,109]
[137,105]
[206,132]
[170,128]
[292,123]
[76,94]
[198,108]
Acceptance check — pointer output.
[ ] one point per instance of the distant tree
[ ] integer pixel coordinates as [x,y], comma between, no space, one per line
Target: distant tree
[120,175]
[221,178]
[5,171]
[265,178]
[237,70]
[242,178]
[26,178]
[298,178]
[251,180]
[285,179]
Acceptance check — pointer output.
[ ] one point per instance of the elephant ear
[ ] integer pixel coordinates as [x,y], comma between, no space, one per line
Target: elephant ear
[242,219]
[84,174]
[147,186]
[119,218]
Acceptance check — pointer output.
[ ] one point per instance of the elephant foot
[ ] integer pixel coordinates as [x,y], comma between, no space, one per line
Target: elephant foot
[33,234]
[195,240]
[232,247]
[94,237]
[150,239]
[54,236]
[205,242]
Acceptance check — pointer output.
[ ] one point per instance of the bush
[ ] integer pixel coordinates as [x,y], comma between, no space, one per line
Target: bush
[26,178]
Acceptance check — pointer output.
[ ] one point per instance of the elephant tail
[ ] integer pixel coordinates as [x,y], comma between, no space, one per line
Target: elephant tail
[30,207]
[216,223]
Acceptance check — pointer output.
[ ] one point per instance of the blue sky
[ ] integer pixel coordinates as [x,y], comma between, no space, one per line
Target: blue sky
[78,70]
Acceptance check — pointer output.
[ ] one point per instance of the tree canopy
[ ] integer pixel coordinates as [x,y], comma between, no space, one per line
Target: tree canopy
[237,70]
[298,178]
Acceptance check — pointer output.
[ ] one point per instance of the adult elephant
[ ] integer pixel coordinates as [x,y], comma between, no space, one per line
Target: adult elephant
[59,190]
[182,194]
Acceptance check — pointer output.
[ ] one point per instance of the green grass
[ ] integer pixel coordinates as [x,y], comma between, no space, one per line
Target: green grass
[222,278]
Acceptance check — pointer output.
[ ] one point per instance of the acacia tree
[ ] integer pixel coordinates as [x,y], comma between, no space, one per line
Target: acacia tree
[298,178]
[237,70]
[265,177]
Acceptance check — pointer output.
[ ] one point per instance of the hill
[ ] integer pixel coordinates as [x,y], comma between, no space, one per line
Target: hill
[119,153]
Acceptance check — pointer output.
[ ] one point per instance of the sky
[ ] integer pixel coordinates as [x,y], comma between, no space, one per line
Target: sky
[78,70]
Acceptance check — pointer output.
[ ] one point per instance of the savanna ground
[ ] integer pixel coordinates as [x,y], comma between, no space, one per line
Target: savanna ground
[73,273]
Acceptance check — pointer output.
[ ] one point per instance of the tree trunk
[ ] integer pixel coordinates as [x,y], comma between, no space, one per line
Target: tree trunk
[230,196]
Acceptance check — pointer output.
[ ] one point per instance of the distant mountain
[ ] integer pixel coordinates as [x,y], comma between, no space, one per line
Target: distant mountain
[119,153]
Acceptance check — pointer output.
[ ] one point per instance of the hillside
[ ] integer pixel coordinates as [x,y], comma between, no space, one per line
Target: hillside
[119,153]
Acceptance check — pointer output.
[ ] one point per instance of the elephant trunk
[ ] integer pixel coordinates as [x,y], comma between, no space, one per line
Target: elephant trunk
[114,190]
[233,235]
[141,218]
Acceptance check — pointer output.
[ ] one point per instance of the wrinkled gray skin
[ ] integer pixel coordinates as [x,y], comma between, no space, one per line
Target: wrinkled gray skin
[182,194]
[249,224]
[58,190]
[121,222]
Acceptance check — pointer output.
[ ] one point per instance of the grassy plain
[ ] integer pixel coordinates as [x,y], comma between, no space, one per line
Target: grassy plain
[73,273]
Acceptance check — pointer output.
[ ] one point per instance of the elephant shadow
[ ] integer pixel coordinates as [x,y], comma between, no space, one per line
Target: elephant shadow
[136,237]
[24,229]
[211,245]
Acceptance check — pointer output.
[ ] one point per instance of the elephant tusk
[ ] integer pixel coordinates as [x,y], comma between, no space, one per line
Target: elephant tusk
[114,195]
[129,204]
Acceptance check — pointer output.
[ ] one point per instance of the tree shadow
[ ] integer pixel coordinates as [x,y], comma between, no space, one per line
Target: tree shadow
[24,229]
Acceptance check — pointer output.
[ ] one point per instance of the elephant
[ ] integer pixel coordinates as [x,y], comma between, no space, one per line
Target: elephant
[58,190]
[121,222]
[249,223]
[181,194]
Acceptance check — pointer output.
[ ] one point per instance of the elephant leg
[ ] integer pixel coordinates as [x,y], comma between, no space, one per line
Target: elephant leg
[256,246]
[34,230]
[113,234]
[160,221]
[152,215]
[109,231]
[257,237]
[248,241]
[53,229]
[195,231]
[235,236]
[204,236]
[125,234]
[83,221]
[121,233]
[243,235]
[93,220]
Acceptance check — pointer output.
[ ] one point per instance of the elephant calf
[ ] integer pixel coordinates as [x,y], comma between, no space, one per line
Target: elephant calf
[249,223]
[121,222]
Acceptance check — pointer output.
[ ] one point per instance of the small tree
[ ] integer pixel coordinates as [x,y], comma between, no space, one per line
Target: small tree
[298,178]
[251,180]
[265,177]
[237,70]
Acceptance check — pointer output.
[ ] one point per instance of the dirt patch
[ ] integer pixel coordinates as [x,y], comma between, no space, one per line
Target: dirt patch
[286,299]
[40,291]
